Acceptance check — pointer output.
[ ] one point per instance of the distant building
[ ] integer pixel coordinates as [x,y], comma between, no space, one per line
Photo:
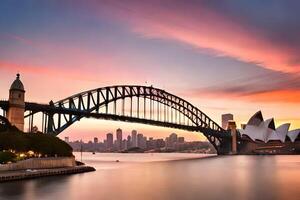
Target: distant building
[124,144]
[160,143]
[151,143]
[173,139]
[144,143]
[140,139]
[181,139]
[167,142]
[109,141]
[119,139]
[96,140]
[128,142]
[134,138]
[225,119]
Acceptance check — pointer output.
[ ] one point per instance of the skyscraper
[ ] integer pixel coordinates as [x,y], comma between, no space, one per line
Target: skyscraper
[173,138]
[140,139]
[144,143]
[129,142]
[119,139]
[225,119]
[134,138]
[109,141]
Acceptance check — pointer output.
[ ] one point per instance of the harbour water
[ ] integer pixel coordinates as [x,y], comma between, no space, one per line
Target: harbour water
[167,176]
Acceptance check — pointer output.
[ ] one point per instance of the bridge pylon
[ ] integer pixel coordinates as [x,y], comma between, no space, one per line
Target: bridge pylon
[16,107]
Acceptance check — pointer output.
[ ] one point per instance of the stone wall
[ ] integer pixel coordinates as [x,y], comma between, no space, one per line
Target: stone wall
[248,146]
[40,163]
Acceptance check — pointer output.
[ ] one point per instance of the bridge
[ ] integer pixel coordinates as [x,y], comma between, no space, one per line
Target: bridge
[127,103]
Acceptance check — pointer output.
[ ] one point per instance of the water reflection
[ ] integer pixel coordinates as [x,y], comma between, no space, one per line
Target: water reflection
[238,177]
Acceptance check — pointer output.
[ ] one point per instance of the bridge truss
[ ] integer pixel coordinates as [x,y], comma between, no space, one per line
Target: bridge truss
[128,103]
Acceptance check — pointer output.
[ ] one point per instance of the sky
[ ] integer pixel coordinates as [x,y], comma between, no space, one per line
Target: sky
[222,56]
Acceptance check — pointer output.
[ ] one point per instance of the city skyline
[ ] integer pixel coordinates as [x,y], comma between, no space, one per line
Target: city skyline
[138,143]
[125,134]
[86,46]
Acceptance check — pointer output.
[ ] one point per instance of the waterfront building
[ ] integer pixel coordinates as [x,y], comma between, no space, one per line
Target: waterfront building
[134,138]
[225,118]
[119,139]
[265,130]
[262,136]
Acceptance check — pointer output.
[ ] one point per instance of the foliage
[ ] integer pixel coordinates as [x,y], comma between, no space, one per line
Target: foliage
[45,145]
[7,156]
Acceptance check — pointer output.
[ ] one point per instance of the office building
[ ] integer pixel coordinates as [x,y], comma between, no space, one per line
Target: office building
[134,138]
[119,139]
[225,119]
[109,141]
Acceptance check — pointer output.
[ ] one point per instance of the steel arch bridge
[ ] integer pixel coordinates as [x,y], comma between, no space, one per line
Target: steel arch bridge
[129,103]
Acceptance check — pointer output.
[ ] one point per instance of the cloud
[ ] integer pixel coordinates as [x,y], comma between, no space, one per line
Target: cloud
[266,38]
[270,87]
[205,27]
[69,61]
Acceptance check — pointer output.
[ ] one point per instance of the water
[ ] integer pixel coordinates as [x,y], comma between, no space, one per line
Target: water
[156,176]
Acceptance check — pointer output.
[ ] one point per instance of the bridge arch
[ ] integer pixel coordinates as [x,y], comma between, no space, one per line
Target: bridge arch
[132,103]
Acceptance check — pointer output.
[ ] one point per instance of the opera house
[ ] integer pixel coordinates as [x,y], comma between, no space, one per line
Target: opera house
[260,136]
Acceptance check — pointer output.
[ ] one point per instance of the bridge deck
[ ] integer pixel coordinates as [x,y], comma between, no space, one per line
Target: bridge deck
[36,107]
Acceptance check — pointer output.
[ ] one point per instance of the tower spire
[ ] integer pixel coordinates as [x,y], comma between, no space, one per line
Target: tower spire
[16,100]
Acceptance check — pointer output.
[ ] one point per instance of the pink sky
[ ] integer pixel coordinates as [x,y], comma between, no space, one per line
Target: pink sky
[219,57]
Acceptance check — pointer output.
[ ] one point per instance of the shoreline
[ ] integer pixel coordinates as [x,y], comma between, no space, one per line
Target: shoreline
[149,159]
[8,176]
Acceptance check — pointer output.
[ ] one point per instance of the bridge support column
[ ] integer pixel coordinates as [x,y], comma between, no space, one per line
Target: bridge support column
[50,123]
[232,128]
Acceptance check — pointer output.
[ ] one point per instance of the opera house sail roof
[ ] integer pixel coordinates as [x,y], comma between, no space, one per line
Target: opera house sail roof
[293,134]
[258,129]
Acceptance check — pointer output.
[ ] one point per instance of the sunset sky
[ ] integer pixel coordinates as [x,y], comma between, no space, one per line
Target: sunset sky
[222,56]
